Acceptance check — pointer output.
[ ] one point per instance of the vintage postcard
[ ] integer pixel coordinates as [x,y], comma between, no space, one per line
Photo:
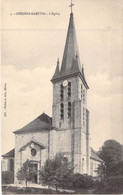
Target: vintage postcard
[62,96]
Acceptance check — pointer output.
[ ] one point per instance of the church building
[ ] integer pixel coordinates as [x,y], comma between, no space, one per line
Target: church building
[67,131]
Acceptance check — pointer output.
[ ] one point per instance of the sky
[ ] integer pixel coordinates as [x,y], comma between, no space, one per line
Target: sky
[30,47]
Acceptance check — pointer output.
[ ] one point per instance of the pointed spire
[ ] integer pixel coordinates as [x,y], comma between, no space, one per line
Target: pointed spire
[76,55]
[71,61]
[82,68]
[58,61]
[71,49]
[57,73]
[83,71]
[83,76]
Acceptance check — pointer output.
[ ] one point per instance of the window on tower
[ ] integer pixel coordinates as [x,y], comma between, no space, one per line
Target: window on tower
[81,91]
[82,164]
[83,115]
[69,109]
[62,111]
[69,89]
[83,96]
[61,92]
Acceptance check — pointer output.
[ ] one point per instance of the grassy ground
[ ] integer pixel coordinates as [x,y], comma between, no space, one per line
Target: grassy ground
[30,190]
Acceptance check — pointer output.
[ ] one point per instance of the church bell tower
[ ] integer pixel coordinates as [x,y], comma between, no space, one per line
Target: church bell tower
[69,107]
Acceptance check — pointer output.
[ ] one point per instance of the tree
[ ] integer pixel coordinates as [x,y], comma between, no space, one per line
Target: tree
[101,171]
[56,171]
[116,170]
[111,153]
[26,173]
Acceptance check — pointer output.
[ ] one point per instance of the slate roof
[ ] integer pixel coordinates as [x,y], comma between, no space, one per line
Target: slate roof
[11,153]
[42,122]
[71,61]
[95,157]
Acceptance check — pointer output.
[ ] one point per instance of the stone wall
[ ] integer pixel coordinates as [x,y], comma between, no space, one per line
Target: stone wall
[79,138]
[71,136]
[5,165]
[93,167]
[22,156]
[65,123]
[60,142]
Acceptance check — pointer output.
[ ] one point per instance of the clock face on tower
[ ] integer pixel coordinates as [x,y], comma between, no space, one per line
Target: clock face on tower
[65,82]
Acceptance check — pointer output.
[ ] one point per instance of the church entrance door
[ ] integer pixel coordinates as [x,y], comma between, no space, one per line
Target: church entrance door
[34,168]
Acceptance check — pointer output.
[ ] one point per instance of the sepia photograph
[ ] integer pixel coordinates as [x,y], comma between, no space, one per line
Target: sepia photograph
[62,97]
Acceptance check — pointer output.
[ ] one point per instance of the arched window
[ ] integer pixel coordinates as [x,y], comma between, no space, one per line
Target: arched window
[11,165]
[61,92]
[69,89]
[83,96]
[69,109]
[62,111]
[81,91]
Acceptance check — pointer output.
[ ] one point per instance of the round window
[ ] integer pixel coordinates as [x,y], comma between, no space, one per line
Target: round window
[33,152]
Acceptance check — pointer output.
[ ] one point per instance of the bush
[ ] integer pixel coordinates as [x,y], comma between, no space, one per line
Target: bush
[115,184]
[82,181]
[7,177]
[110,185]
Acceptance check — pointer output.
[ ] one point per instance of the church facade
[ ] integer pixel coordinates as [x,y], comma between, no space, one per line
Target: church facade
[67,131]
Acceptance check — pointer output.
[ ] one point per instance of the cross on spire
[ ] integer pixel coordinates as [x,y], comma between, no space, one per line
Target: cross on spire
[71,5]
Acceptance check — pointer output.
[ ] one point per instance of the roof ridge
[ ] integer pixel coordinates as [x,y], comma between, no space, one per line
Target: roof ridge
[42,122]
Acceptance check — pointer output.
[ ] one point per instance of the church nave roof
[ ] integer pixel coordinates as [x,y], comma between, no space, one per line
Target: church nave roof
[41,123]
[11,153]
